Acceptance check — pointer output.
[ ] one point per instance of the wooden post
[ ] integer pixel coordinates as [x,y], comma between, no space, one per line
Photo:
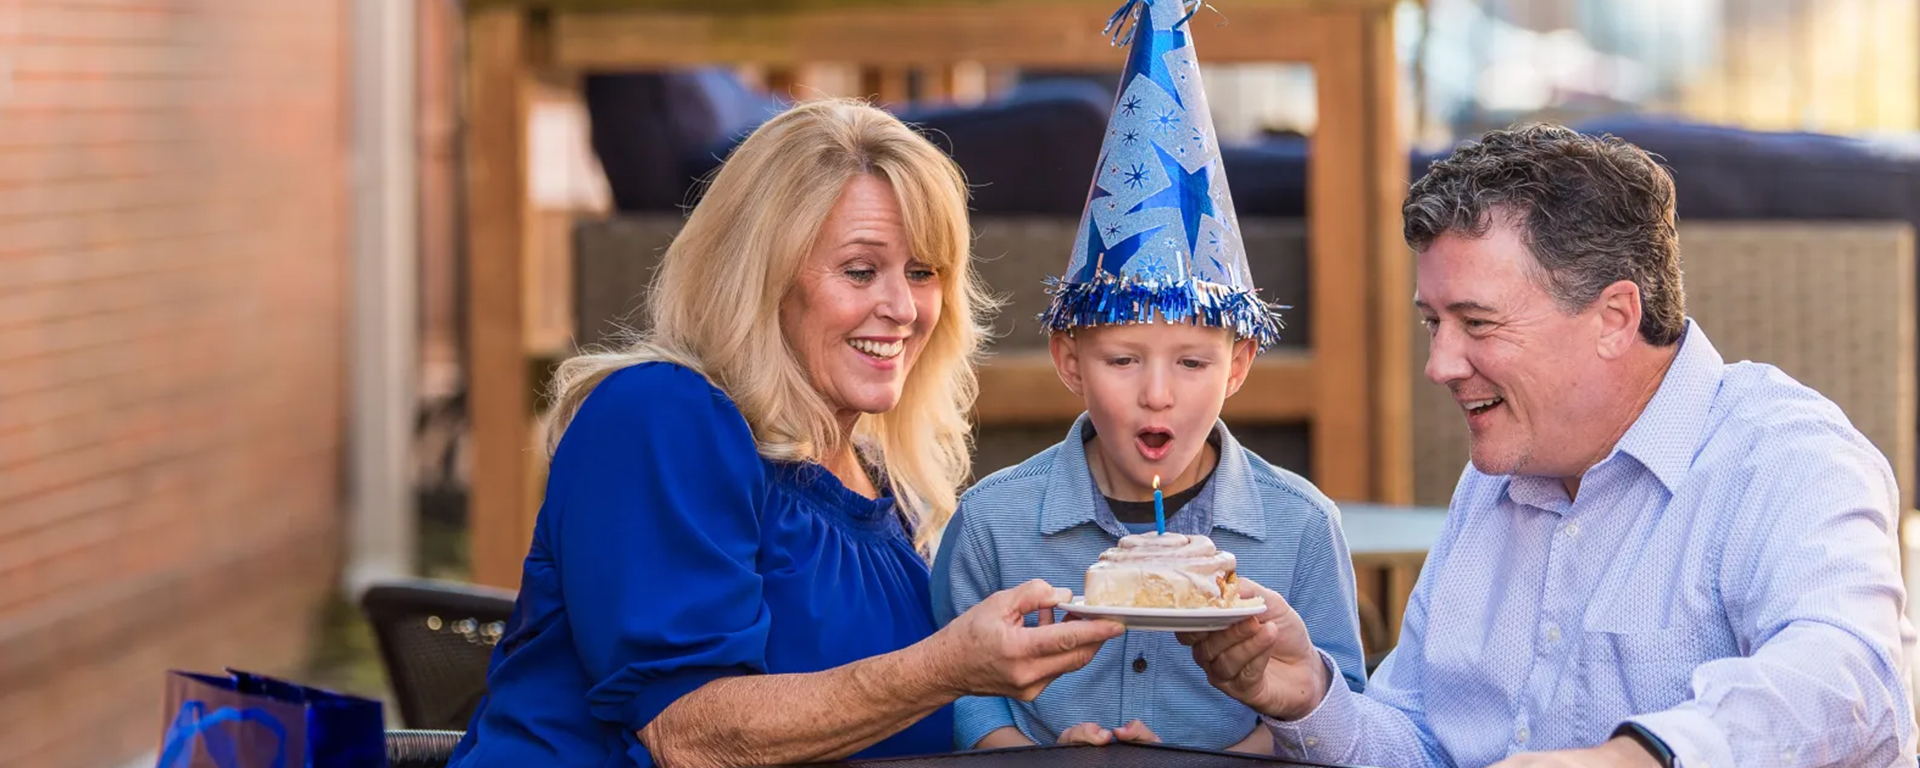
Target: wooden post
[498,218]
[937,84]
[1338,268]
[1392,280]
[1361,285]
[1401,577]
[1000,79]
[971,83]
[825,79]
[781,80]
[1370,590]
[885,84]
[440,25]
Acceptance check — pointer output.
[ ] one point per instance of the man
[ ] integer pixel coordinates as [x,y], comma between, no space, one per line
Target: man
[1655,558]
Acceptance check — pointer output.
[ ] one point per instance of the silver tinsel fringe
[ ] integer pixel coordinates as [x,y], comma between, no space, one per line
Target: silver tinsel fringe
[1111,300]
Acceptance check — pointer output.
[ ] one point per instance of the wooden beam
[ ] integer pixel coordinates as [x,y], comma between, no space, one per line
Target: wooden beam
[1338,239]
[1361,272]
[1059,35]
[498,226]
[1022,388]
[546,257]
[1280,389]
[1391,289]
[440,27]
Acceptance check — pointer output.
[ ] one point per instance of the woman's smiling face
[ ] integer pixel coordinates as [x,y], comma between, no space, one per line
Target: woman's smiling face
[861,309]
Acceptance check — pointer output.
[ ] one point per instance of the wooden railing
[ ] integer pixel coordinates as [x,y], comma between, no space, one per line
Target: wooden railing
[1351,387]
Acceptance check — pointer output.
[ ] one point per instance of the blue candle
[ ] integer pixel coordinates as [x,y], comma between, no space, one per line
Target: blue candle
[1159,508]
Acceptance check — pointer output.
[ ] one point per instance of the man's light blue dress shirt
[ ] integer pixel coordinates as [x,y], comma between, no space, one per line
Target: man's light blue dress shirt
[1728,577]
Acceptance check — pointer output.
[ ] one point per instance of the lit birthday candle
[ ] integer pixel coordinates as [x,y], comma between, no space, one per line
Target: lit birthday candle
[1159,508]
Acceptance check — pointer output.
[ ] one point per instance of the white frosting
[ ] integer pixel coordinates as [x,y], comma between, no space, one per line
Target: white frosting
[1183,563]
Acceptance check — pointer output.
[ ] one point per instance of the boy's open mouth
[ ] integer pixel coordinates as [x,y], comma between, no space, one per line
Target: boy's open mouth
[1153,442]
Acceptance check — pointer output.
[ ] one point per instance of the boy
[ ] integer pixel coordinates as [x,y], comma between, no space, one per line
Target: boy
[1154,327]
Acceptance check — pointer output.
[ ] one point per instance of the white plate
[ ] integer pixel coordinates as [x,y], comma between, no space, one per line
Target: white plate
[1167,619]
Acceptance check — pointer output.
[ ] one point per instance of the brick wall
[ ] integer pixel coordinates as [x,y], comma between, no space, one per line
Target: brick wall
[172,282]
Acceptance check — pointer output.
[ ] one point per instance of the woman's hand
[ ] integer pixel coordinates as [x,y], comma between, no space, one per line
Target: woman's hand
[1091,733]
[989,651]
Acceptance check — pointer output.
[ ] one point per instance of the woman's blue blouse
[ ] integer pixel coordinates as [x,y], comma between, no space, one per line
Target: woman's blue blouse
[668,554]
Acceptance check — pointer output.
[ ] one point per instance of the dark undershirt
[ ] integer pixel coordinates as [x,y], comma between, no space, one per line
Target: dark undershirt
[1139,512]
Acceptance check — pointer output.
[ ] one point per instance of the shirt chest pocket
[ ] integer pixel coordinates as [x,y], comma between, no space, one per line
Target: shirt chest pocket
[1621,674]
[1639,647]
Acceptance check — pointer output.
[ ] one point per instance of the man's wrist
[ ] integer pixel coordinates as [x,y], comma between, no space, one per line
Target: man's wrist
[1318,683]
[1640,746]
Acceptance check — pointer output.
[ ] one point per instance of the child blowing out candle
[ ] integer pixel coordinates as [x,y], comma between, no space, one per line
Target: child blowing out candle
[1154,324]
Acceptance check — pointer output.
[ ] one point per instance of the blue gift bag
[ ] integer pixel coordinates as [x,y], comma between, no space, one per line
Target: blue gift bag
[245,720]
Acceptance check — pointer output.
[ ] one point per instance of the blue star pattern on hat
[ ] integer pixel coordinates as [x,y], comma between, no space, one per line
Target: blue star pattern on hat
[1159,238]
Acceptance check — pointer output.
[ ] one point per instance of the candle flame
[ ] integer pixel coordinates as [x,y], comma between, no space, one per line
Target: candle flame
[1156,482]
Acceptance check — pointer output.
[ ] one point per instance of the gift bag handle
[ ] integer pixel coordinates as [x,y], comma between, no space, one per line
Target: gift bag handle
[193,722]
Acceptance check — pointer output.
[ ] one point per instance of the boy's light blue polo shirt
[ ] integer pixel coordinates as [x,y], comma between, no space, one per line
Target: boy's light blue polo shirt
[1045,519]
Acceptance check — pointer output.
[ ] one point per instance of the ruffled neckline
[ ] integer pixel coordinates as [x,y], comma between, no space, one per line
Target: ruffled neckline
[824,491]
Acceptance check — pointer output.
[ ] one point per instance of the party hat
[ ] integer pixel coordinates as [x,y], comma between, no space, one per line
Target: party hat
[1158,238]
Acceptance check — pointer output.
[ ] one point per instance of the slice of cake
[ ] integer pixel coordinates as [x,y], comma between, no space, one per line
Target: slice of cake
[1163,570]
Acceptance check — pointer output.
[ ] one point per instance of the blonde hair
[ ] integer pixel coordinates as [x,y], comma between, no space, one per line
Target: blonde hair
[715,301]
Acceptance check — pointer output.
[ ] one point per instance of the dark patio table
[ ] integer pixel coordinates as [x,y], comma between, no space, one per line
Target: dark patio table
[1079,756]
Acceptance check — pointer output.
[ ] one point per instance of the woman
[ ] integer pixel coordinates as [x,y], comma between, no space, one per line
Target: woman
[728,568]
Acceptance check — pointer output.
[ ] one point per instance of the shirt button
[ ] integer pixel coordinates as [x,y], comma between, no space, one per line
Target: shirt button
[1310,742]
[1140,663]
[1573,529]
[1553,632]
[1522,735]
